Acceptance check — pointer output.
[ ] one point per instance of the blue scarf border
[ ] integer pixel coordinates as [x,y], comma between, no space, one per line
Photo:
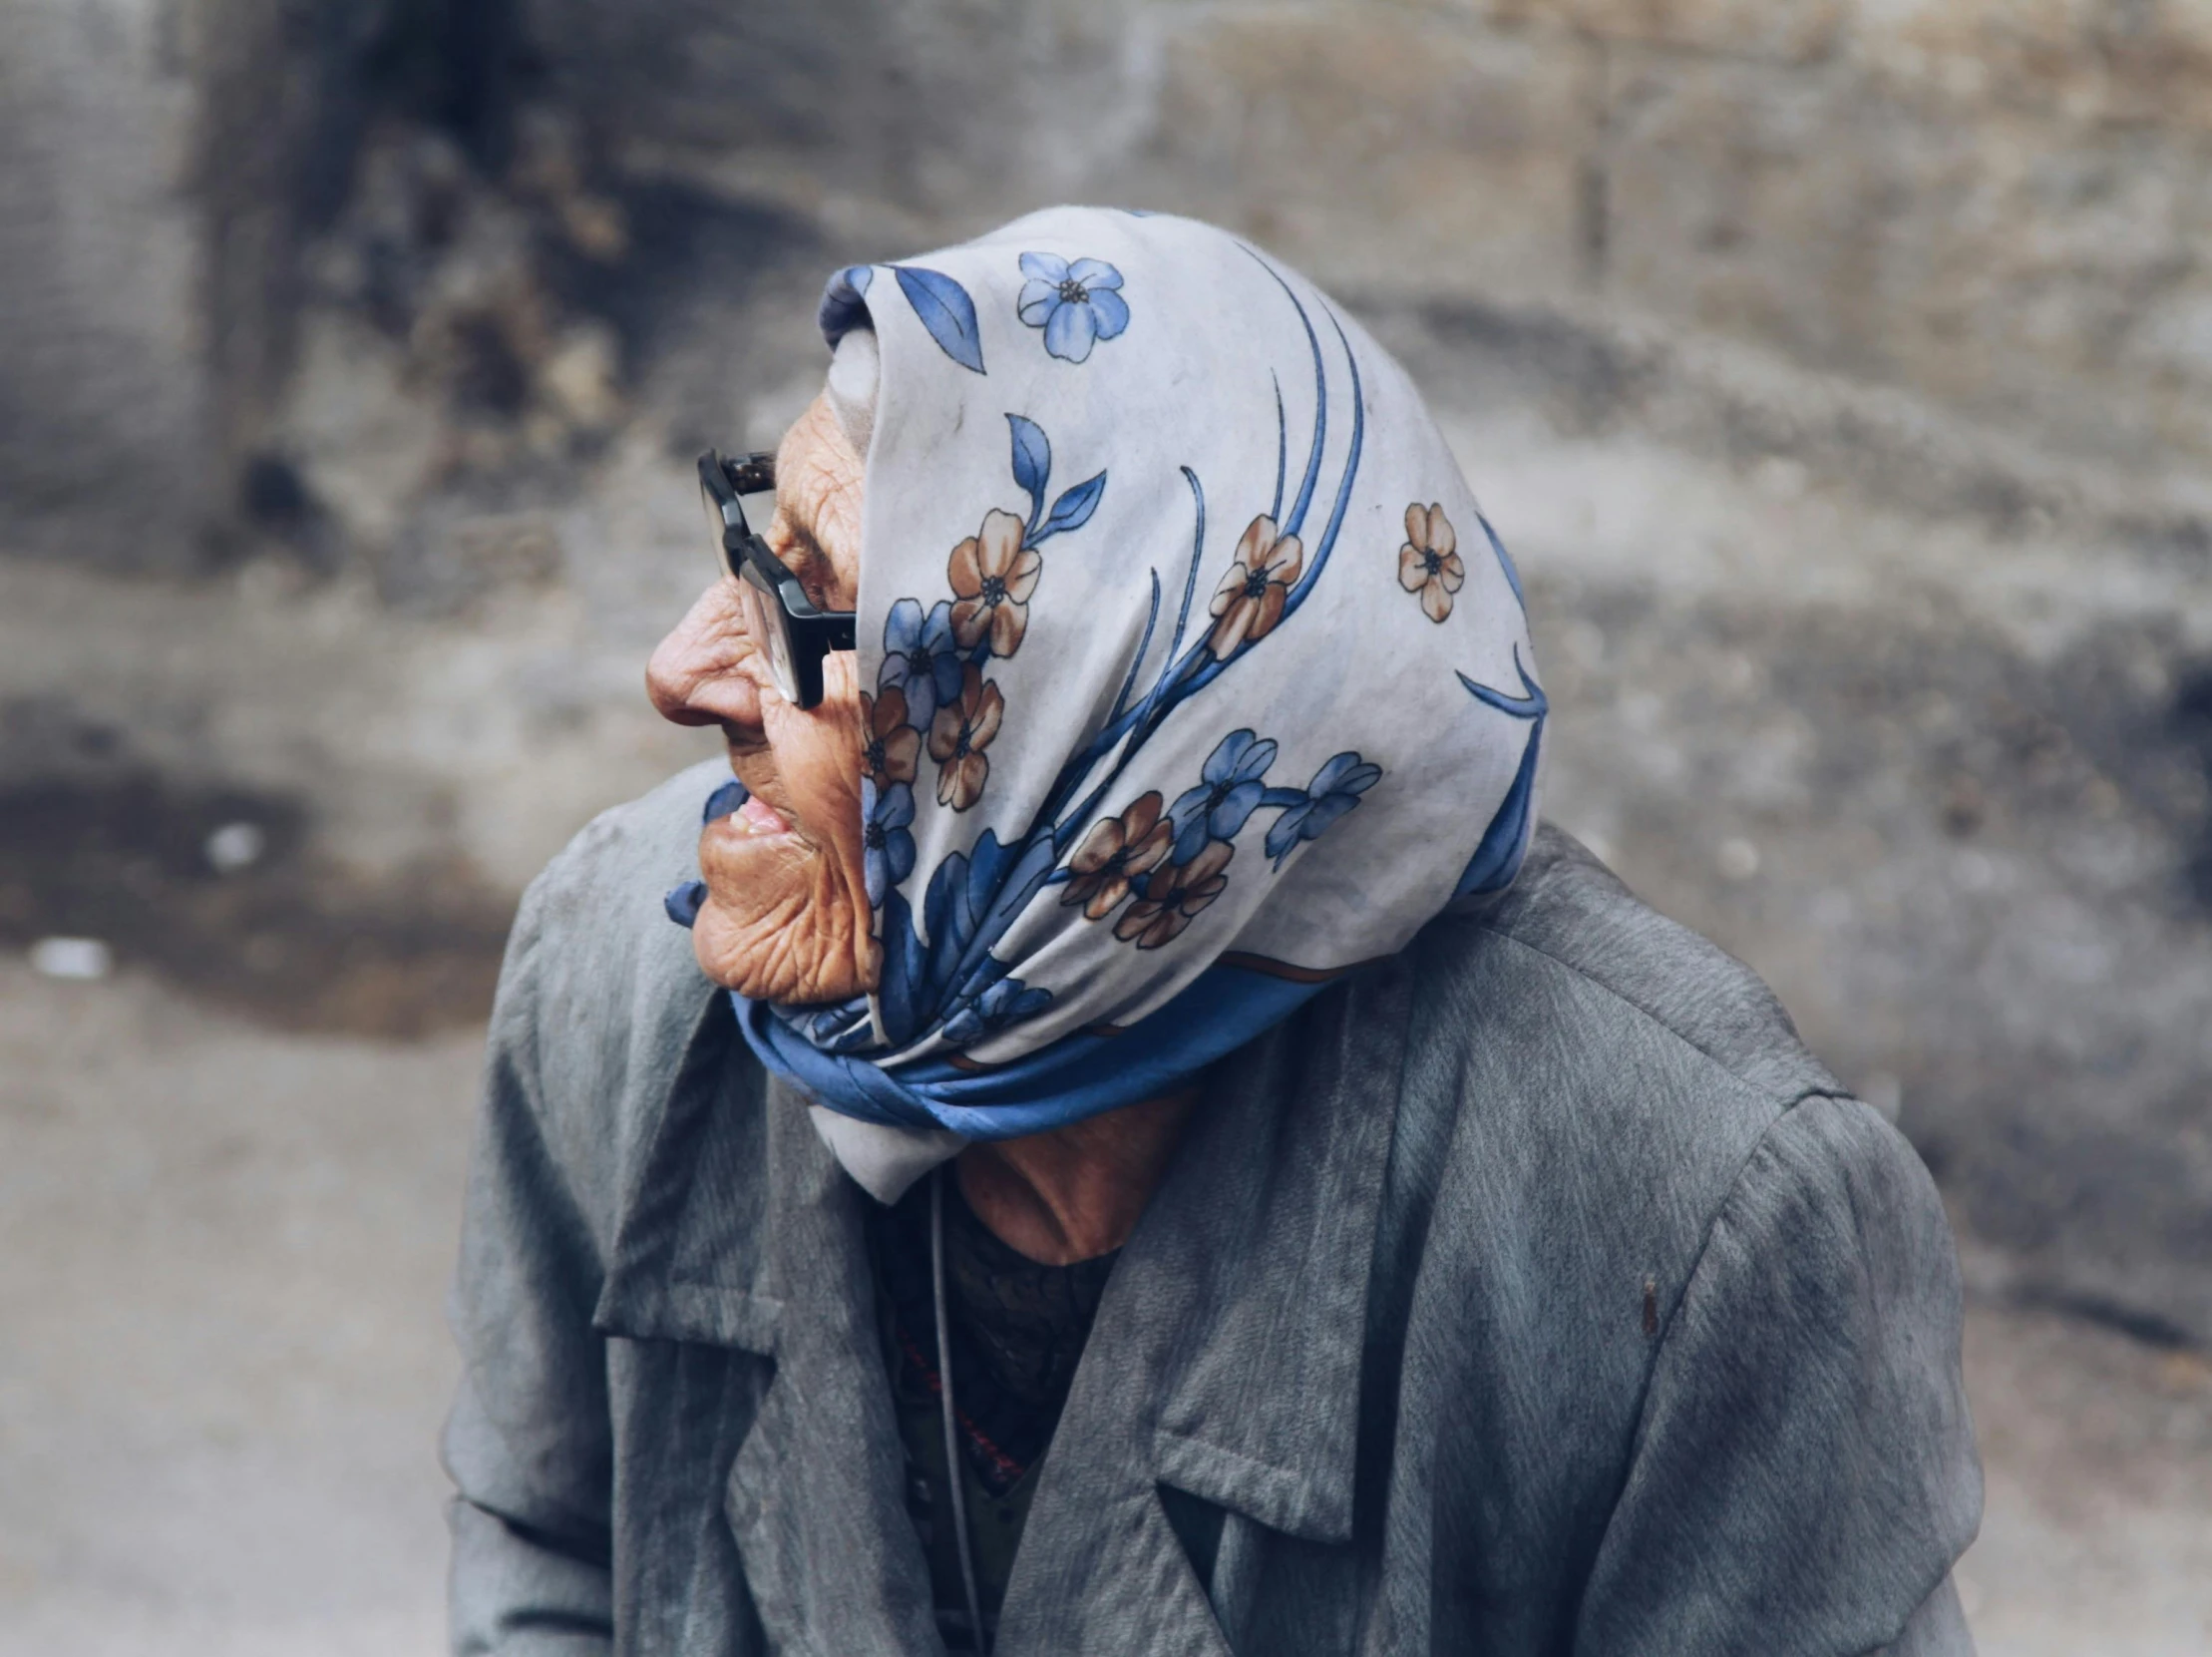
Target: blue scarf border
[1081,1075]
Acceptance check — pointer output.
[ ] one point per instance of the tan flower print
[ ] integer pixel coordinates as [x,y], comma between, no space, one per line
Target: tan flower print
[960,733]
[1116,852]
[1248,601]
[1175,893]
[992,575]
[893,746]
[1429,562]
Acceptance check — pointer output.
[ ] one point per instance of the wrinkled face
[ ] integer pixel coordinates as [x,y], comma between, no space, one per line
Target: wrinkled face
[786,915]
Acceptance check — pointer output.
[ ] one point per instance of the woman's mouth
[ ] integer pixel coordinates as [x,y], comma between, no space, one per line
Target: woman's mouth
[743,813]
[757,817]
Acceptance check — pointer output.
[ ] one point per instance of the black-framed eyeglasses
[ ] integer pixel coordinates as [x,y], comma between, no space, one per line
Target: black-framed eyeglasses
[786,622]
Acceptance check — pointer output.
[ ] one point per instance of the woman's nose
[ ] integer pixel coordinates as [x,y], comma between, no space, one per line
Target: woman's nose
[700,674]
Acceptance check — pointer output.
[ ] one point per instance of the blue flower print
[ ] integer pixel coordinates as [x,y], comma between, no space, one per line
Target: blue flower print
[1334,790]
[725,800]
[1075,304]
[885,814]
[1217,808]
[942,307]
[919,658]
[1008,1001]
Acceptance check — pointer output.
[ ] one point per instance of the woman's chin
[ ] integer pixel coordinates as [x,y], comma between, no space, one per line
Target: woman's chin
[790,955]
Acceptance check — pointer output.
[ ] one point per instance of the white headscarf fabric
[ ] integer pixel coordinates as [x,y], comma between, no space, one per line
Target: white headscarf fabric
[1194,675]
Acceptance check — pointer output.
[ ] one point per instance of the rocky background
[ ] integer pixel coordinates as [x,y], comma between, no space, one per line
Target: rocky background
[1840,371]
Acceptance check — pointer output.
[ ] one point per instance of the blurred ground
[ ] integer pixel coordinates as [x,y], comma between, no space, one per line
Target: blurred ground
[221,1256]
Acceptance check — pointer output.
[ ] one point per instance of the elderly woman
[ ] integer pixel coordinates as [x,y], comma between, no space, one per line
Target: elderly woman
[1145,1147]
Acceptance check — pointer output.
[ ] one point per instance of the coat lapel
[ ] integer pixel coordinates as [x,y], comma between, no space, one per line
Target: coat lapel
[741,1231]
[816,1498]
[1226,1357]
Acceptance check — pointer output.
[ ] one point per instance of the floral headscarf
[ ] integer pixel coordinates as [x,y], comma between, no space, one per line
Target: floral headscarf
[1196,676]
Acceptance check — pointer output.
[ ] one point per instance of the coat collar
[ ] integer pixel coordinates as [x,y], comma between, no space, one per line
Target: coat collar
[1243,1293]
[1225,1358]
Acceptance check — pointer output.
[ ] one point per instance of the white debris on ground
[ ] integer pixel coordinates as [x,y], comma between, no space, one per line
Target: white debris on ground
[86,959]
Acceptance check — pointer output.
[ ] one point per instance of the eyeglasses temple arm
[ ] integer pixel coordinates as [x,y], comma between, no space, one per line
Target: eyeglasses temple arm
[752,474]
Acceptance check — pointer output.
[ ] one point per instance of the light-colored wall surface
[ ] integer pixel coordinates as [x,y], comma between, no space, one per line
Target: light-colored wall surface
[2004,207]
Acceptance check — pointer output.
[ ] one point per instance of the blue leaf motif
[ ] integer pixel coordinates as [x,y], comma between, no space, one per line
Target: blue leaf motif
[683,902]
[944,308]
[1002,880]
[1074,510]
[724,800]
[1505,562]
[1498,858]
[959,913]
[1032,461]
[988,870]
[1531,704]
[963,919]
[947,916]
[904,973]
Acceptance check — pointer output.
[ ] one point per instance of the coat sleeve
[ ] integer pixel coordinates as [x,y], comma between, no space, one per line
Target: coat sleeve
[1804,1472]
[528,1441]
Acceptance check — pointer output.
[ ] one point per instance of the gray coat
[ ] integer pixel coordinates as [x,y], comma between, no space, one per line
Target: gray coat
[1533,1291]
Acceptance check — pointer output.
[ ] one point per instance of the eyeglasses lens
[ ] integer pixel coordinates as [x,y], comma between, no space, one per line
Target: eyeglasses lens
[762,615]
[718,550]
[764,620]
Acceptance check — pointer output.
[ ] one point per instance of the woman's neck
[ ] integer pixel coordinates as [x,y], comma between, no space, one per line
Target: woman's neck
[1076,1192]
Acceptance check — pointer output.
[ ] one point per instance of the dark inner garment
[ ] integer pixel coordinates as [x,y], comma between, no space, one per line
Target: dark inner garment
[1017,1331]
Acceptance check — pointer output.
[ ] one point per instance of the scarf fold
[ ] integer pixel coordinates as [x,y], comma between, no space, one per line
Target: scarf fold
[1198,676]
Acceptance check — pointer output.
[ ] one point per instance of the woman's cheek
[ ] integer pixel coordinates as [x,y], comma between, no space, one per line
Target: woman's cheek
[844,741]
[788,920]
[828,792]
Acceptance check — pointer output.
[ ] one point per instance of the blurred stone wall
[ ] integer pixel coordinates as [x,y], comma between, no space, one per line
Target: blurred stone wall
[2002,206]
[103,346]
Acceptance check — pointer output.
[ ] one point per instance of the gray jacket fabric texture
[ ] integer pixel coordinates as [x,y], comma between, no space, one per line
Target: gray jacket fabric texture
[1533,1291]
